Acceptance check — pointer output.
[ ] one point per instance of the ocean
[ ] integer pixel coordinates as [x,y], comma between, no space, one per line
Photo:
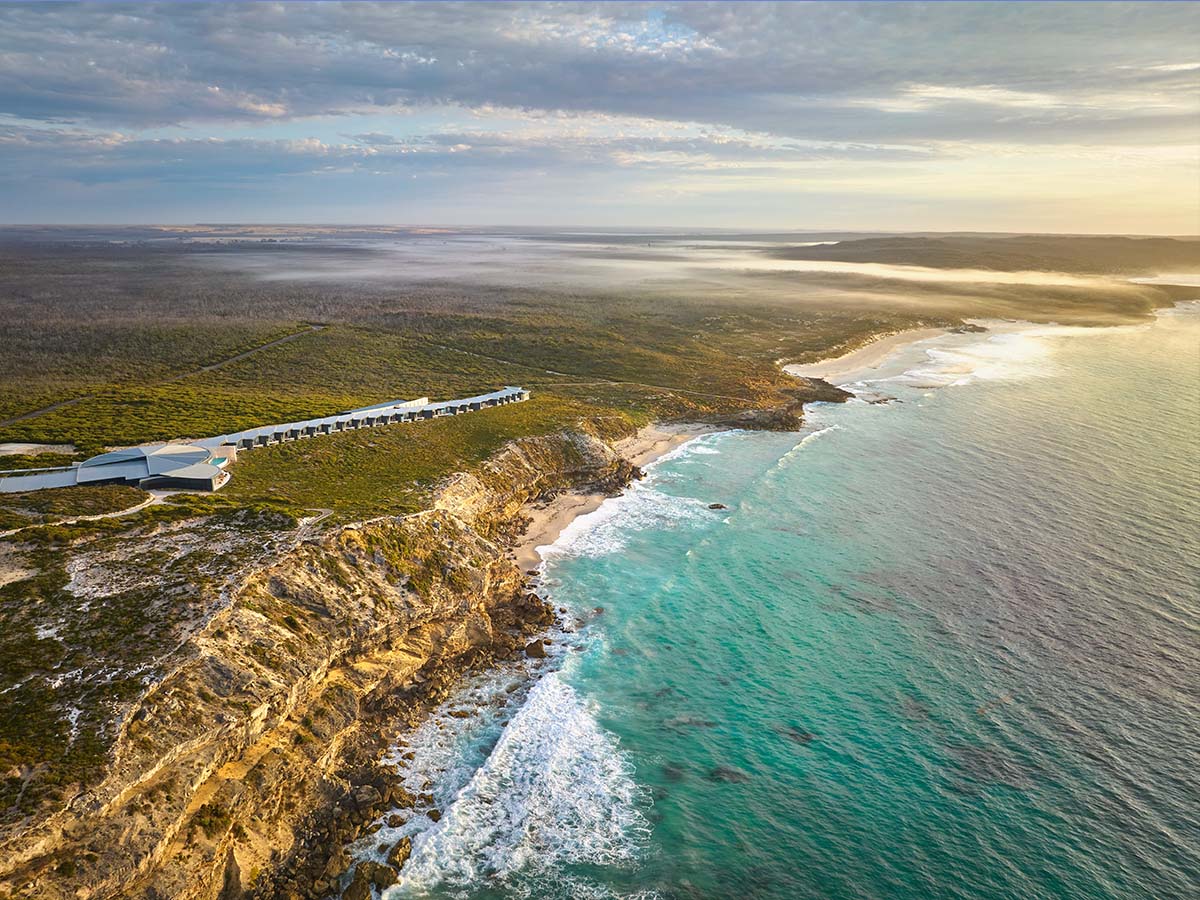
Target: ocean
[942,646]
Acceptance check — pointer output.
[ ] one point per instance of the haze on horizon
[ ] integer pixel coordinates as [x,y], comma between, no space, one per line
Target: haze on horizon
[1054,117]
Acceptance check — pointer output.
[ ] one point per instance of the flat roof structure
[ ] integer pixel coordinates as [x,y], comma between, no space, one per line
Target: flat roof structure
[200,465]
[389,413]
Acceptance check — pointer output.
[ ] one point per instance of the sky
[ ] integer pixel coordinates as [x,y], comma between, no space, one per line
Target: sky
[1053,117]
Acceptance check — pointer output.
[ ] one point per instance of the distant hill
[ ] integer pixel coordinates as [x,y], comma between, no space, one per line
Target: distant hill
[1054,253]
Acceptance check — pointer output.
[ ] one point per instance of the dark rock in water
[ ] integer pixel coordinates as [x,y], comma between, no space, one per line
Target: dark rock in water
[796,735]
[674,772]
[993,766]
[535,650]
[395,820]
[434,815]
[403,798]
[400,853]
[963,788]
[598,610]
[360,887]
[914,709]
[729,774]
[379,875]
[689,722]
[717,506]
[968,328]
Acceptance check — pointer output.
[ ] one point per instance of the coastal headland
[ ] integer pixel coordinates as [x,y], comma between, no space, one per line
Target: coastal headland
[195,694]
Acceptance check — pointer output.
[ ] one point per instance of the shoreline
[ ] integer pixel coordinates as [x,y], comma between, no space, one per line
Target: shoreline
[864,360]
[549,519]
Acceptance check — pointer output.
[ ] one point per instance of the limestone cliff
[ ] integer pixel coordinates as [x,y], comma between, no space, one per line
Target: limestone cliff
[242,762]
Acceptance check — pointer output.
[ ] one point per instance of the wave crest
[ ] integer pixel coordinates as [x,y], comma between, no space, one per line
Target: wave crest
[555,791]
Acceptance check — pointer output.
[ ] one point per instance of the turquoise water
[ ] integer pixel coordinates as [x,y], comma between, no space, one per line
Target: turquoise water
[944,647]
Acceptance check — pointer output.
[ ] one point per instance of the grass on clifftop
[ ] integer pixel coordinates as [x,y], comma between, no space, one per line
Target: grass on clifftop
[34,507]
[390,470]
[96,610]
[120,334]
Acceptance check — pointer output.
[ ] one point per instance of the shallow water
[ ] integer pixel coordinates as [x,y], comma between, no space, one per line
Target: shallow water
[945,647]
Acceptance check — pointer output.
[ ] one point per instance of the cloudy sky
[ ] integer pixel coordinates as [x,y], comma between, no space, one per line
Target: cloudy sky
[1005,116]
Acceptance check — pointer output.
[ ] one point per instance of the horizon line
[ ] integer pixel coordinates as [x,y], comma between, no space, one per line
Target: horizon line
[620,229]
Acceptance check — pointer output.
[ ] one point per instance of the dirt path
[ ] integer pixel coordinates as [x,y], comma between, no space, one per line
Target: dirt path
[154,498]
[45,409]
[308,526]
[657,387]
[240,356]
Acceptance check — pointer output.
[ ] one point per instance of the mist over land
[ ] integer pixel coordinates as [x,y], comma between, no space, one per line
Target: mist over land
[623,306]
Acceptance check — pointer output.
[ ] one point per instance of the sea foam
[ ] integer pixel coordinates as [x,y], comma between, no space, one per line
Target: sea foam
[1008,351]
[555,790]
[642,506]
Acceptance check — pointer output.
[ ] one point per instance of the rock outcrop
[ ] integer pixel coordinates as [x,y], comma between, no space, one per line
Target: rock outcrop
[250,761]
[789,416]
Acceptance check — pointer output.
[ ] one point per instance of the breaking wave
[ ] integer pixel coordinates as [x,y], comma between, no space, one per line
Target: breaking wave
[643,506]
[787,458]
[555,791]
[1008,351]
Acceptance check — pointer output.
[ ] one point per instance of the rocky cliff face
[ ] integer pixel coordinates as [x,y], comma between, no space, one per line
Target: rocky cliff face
[789,416]
[247,758]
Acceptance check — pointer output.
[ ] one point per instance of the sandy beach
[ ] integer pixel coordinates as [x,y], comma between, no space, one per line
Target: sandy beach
[653,441]
[549,519]
[857,364]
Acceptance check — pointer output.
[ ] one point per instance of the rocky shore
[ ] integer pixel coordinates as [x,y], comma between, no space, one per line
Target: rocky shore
[246,767]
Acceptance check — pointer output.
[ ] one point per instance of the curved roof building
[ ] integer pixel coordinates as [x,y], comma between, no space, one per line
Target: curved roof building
[187,466]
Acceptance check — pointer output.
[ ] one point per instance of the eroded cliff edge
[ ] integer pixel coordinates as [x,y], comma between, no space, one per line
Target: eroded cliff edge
[246,758]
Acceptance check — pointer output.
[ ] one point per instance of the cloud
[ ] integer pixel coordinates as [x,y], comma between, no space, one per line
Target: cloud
[743,65]
[87,156]
[119,92]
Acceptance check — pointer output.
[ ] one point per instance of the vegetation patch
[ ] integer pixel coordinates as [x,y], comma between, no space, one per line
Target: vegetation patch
[34,507]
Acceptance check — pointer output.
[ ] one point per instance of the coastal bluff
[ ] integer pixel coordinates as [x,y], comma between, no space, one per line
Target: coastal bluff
[234,731]
[249,758]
